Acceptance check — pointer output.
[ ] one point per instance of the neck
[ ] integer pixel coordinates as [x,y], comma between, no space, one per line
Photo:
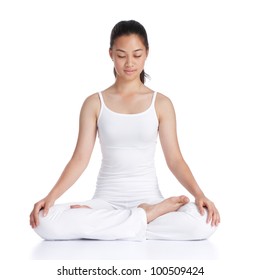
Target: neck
[128,87]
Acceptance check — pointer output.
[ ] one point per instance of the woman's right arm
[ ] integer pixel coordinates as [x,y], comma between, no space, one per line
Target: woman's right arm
[79,160]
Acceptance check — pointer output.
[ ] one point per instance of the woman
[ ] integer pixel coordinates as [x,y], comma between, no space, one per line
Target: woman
[128,116]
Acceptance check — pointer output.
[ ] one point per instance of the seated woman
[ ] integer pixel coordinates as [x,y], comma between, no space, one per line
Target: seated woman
[127,204]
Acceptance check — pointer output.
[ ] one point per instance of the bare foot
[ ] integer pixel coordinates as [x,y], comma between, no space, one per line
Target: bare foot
[78,206]
[170,204]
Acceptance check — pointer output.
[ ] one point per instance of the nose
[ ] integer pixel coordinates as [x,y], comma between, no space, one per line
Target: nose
[129,62]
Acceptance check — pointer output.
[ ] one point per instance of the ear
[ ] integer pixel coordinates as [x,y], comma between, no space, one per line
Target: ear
[110,53]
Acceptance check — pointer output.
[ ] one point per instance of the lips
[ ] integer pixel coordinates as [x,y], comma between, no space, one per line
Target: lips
[129,72]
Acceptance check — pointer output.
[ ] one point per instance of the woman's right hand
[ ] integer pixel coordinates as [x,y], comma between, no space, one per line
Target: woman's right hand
[44,205]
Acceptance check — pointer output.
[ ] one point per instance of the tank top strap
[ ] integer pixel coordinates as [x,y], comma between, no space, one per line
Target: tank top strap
[154,97]
[101,98]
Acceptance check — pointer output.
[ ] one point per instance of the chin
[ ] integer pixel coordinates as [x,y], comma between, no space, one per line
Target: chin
[131,77]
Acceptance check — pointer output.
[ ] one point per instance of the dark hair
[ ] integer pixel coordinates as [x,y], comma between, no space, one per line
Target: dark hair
[128,27]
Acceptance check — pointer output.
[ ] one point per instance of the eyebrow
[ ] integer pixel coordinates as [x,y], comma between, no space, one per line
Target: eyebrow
[120,50]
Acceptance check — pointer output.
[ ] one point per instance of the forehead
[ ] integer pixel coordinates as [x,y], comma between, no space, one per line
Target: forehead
[129,42]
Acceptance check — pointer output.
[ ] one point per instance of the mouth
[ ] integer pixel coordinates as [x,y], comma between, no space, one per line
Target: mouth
[129,72]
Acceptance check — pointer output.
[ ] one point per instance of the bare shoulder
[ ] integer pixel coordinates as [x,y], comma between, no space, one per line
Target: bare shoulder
[163,99]
[164,105]
[91,105]
[92,100]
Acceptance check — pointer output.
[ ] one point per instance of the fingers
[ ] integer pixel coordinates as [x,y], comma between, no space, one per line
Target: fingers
[215,218]
[34,216]
[32,221]
[45,210]
[213,215]
[200,207]
[210,214]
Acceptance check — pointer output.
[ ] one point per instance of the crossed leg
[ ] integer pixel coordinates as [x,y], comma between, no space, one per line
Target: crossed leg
[154,211]
[171,219]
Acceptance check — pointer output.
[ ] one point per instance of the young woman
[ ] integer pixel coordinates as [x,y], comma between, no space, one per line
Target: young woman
[127,204]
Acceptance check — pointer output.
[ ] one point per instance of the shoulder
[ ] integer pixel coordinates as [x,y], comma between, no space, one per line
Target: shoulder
[164,105]
[91,105]
[92,99]
[162,99]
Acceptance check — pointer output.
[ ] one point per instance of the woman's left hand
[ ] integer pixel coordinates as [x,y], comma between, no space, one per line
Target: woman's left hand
[213,214]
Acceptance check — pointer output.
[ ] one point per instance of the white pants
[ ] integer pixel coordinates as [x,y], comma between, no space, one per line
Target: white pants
[105,221]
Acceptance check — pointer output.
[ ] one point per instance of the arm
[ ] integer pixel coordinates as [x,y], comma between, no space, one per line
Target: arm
[174,158]
[78,161]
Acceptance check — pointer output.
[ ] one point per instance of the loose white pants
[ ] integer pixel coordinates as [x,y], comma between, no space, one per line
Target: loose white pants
[105,221]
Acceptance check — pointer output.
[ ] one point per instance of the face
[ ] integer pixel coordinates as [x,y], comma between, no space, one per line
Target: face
[129,55]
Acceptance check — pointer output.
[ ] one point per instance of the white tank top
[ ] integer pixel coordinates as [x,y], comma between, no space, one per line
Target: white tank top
[127,175]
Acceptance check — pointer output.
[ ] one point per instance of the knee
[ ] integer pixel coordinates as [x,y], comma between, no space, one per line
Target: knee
[201,229]
[192,210]
[46,228]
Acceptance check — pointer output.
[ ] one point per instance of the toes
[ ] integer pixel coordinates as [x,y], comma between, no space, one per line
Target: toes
[184,199]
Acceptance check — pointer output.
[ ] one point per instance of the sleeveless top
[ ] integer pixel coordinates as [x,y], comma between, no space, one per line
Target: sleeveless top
[127,176]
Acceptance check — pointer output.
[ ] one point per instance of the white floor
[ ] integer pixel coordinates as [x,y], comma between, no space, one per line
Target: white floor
[123,250]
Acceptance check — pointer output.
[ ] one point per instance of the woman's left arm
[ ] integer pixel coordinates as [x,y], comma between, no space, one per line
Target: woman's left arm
[175,160]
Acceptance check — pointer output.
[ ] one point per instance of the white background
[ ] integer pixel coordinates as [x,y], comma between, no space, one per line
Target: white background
[204,55]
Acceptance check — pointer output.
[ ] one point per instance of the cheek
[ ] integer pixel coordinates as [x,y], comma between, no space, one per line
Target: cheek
[118,64]
[140,64]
